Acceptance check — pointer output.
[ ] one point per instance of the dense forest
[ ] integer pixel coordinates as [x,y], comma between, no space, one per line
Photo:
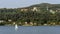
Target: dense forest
[46,14]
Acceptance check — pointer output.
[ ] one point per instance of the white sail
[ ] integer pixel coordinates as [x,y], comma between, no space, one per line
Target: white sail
[16,27]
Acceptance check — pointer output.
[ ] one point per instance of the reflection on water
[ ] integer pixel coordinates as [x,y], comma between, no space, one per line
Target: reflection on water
[30,30]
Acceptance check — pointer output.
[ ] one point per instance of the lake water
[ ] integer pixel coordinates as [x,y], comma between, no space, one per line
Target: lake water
[30,30]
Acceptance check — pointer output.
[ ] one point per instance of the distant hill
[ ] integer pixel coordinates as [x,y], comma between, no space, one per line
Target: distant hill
[44,5]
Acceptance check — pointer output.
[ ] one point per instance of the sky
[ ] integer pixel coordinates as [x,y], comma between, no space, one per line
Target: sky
[24,3]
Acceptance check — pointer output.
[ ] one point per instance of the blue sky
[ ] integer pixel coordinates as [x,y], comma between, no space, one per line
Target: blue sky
[24,3]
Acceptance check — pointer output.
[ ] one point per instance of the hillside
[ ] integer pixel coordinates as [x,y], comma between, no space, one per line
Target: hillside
[39,14]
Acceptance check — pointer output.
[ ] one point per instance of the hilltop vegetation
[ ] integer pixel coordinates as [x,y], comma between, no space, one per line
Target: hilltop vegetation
[40,16]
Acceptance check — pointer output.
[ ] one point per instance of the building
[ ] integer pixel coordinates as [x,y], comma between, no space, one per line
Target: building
[24,9]
[34,9]
[52,11]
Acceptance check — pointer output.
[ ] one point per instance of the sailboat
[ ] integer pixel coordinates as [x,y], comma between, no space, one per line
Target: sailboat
[16,27]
